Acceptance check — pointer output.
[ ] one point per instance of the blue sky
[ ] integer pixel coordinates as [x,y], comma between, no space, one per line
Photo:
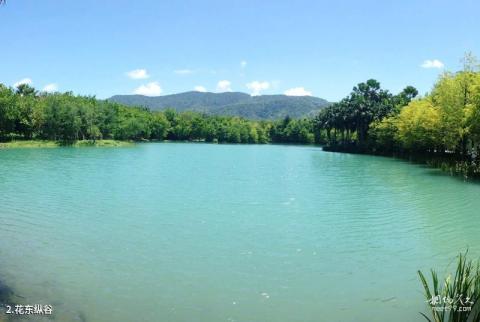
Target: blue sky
[322,48]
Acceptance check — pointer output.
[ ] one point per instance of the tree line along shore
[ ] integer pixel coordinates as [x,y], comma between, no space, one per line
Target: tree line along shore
[441,127]
[26,114]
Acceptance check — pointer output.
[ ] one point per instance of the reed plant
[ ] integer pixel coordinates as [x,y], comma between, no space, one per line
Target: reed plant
[457,298]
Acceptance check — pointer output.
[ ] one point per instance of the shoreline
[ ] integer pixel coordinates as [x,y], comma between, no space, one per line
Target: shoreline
[56,144]
[445,163]
[119,143]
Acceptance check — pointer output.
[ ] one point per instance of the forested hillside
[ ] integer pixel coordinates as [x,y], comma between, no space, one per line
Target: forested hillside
[264,107]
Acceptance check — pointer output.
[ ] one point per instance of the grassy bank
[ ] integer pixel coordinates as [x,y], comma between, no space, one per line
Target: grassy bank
[54,144]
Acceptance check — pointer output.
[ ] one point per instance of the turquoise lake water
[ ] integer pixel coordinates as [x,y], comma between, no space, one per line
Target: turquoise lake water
[200,232]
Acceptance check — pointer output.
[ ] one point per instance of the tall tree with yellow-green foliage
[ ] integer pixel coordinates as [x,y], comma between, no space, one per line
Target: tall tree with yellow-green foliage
[445,121]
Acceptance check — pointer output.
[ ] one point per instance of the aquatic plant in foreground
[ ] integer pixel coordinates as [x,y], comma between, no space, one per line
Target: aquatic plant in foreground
[457,299]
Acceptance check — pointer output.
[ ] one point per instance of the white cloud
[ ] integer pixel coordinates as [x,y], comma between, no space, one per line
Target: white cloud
[243,63]
[26,81]
[275,83]
[138,74]
[224,86]
[256,87]
[200,89]
[183,71]
[150,89]
[297,91]
[434,63]
[50,88]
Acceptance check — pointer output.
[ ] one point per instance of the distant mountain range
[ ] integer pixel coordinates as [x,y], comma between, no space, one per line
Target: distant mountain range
[263,107]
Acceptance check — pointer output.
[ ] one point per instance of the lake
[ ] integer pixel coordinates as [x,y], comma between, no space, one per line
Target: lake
[205,232]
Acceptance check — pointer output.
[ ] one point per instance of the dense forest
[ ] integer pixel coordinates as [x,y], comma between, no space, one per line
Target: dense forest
[443,127]
[26,114]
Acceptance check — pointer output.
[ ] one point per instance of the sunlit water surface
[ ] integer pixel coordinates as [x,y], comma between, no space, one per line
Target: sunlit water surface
[198,232]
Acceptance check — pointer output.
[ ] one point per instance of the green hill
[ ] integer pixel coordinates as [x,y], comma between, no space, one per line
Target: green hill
[230,103]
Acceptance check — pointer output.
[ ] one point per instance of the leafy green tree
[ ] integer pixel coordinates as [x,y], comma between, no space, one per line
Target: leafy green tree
[8,112]
[404,97]
[159,126]
[368,103]
[348,122]
[25,116]
[384,135]
[448,96]
[26,90]
[418,126]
